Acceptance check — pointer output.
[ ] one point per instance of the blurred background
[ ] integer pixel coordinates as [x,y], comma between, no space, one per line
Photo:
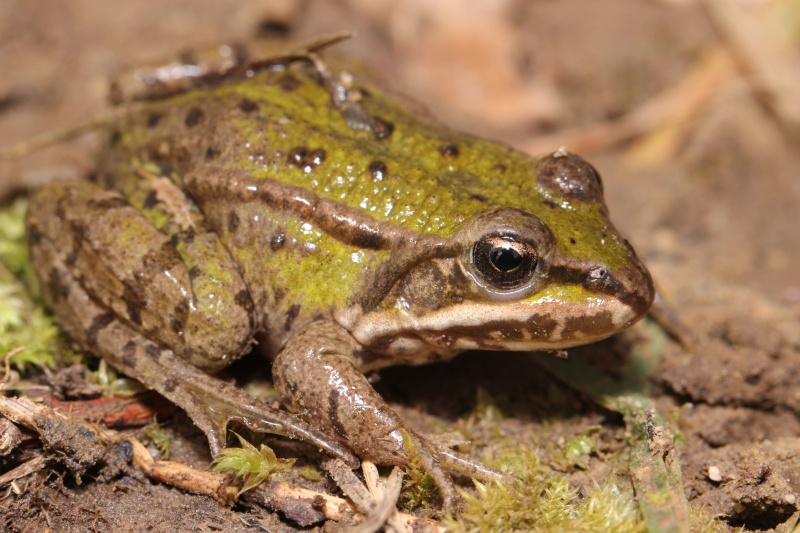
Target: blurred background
[690,110]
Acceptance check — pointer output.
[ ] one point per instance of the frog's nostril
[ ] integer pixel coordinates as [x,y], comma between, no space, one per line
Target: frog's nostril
[599,279]
[597,273]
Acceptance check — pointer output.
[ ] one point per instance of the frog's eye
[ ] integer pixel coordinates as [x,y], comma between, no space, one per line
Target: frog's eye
[504,262]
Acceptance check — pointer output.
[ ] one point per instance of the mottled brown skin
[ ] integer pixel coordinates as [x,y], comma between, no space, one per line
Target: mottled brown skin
[110,328]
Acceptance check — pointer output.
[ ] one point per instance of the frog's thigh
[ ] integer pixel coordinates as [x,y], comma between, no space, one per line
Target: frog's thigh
[209,402]
[204,314]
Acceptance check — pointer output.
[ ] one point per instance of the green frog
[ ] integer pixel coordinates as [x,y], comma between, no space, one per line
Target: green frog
[339,231]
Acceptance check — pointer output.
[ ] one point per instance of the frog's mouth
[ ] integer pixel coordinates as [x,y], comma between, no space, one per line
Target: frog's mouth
[547,324]
[560,315]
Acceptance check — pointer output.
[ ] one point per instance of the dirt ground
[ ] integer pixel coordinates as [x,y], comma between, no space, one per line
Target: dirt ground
[690,113]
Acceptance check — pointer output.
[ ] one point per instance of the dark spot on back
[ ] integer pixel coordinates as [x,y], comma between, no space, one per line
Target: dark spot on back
[277,242]
[572,241]
[181,309]
[279,294]
[308,160]
[176,325]
[233,221]
[114,138]
[289,83]
[297,155]
[194,272]
[193,117]
[211,153]
[153,119]
[248,106]
[151,200]
[551,204]
[501,168]
[377,169]
[478,197]
[383,129]
[449,150]
[317,157]
[291,315]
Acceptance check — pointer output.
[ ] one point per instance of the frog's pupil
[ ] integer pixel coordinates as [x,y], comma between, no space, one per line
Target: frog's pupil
[505,259]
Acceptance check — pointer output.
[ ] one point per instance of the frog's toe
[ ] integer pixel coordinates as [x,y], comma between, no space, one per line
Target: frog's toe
[439,460]
[457,462]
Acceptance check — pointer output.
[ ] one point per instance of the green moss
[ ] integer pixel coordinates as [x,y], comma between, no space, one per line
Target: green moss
[13,246]
[578,450]
[26,331]
[111,382]
[309,472]
[418,486]
[487,410]
[158,438]
[541,502]
[702,521]
[250,464]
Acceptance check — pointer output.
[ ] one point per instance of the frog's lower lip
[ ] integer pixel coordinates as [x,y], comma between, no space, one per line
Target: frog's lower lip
[549,323]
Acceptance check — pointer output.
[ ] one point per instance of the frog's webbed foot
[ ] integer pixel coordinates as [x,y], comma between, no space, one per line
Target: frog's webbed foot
[317,377]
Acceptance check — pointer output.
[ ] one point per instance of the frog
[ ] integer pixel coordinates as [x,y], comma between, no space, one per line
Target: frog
[338,230]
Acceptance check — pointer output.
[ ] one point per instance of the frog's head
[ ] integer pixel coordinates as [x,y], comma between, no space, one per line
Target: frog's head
[549,277]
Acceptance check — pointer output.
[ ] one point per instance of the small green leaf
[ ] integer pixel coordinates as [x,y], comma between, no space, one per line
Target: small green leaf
[252,465]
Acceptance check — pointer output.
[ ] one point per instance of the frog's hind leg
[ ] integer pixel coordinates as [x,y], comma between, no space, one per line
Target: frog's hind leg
[76,251]
[318,378]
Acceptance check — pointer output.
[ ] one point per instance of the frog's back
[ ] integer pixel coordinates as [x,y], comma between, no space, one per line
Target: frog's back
[407,171]
[281,130]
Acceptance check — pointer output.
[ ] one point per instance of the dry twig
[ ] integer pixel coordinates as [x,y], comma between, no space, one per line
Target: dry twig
[80,445]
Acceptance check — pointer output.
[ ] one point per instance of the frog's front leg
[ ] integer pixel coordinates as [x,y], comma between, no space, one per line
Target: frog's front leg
[125,291]
[317,376]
